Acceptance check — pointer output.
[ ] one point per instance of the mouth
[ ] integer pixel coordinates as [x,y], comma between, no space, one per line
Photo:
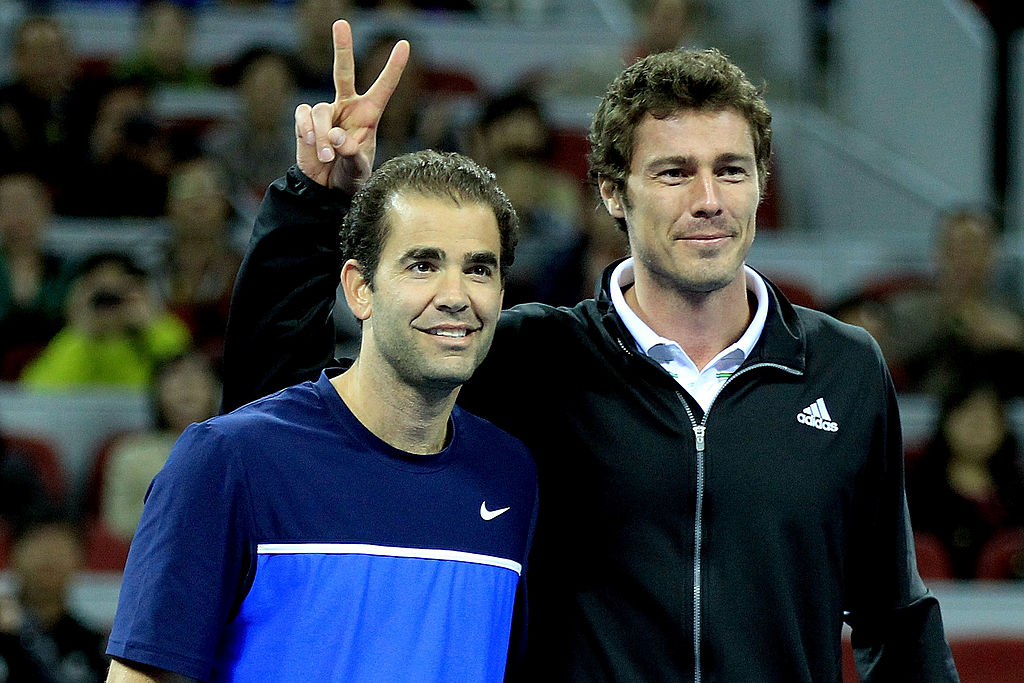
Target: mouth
[707,237]
[705,240]
[449,332]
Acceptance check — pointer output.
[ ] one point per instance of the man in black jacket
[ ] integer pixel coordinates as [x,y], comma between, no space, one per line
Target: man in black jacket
[720,471]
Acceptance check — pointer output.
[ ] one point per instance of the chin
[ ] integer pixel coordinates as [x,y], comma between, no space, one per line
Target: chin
[450,377]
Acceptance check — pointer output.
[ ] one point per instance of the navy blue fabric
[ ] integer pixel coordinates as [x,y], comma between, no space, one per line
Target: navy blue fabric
[298,468]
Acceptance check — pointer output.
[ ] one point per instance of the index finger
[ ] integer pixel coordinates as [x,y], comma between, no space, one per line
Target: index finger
[344,62]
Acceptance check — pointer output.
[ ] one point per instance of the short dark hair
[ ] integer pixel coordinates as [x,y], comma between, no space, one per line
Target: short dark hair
[662,84]
[34,21]
[232,74]
[122,260]
[446,175]
[512,102]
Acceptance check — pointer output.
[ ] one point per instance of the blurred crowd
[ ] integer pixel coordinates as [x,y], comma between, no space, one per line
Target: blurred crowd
[956,336]
[84,144]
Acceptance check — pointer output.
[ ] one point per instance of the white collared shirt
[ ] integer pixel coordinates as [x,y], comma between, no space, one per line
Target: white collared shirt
[702,384]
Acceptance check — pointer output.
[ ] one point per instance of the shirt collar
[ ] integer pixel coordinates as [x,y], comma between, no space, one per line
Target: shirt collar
[646,338]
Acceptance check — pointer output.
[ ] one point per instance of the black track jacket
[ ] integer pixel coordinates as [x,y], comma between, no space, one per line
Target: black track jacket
[672,544]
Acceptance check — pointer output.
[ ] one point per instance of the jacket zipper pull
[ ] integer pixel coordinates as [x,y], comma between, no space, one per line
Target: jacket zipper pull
[698,431]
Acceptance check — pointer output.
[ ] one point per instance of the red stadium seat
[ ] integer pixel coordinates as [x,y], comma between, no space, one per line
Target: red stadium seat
[1002,557]
[446,81]
[932,557]
[42,456]
[104,551]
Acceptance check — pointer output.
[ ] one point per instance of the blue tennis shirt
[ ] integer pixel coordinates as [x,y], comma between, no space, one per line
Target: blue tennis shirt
[286,542]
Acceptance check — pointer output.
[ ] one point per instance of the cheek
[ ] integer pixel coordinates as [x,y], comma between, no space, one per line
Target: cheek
[487,303]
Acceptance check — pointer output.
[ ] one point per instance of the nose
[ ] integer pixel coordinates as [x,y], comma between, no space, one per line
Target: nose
[706,202]
[452,295]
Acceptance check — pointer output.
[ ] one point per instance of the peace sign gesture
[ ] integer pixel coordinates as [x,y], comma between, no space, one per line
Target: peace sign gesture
[336,141]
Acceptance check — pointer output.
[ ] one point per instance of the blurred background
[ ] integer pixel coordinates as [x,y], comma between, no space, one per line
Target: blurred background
[137,138]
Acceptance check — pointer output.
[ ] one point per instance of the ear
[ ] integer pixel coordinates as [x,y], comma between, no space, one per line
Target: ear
[612,197]
[358,293]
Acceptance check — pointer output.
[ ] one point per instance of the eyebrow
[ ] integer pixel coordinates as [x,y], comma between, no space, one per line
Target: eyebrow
[483,258]
[424,253]
[679,160]
[486,258]
[732,158]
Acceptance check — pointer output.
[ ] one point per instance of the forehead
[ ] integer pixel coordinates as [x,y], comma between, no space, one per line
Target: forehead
[417,220]
[21,187]
[696,134]
[109,271]
[40,35]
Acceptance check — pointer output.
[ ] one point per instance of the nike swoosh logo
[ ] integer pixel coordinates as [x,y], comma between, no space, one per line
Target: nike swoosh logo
[488,515]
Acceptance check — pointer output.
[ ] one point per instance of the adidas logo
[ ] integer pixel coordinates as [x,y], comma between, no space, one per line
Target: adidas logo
[816,415]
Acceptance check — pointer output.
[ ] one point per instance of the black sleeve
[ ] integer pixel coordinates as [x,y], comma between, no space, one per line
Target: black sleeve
[897,631]
[281,323]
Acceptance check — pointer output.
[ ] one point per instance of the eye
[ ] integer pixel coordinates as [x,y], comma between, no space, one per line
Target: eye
[421,267]
[480,271]
[735,172]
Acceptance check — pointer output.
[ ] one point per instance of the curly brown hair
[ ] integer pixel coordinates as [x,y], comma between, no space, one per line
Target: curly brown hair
[662,84]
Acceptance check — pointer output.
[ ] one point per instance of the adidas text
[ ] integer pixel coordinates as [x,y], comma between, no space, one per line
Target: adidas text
[817,422]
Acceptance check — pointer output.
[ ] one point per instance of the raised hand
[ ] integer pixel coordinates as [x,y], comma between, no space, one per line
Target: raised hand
[336,141]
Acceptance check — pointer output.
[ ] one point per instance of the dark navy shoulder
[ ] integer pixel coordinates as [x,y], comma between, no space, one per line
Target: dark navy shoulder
[268,409]
[482,431]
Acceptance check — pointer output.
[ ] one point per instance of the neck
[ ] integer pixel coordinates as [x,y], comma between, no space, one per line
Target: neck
[23,250]
[702,323]
[410,419]
[208,241]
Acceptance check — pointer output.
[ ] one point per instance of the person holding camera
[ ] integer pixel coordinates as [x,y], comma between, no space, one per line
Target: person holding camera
[116,330]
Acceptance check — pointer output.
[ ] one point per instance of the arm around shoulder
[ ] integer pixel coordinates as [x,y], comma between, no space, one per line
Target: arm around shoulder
[281,327]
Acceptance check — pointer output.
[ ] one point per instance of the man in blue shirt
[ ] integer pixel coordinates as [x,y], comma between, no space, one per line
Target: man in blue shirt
[359,527]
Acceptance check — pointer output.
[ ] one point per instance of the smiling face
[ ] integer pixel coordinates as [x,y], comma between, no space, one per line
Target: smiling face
[430,311]
[690,200]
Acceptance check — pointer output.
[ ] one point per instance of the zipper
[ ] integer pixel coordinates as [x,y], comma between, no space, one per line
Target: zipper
[699,433]
[698,527]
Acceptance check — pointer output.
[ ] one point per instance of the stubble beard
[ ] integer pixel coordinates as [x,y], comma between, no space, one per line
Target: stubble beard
[691,282]
[423,372]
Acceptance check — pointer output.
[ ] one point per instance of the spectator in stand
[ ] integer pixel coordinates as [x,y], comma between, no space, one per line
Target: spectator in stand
[23,495]
[14,660]
[129,156]
[117,331]
[47,108]
[185,389]
[663,25]
[868,309]
[414,119]
[254,146]
[600,243]
[163,54]
[33,282]
[201,259]
[47,555]
[958,325]
[512,138]
[315,55]
[657,25]
[969,482]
